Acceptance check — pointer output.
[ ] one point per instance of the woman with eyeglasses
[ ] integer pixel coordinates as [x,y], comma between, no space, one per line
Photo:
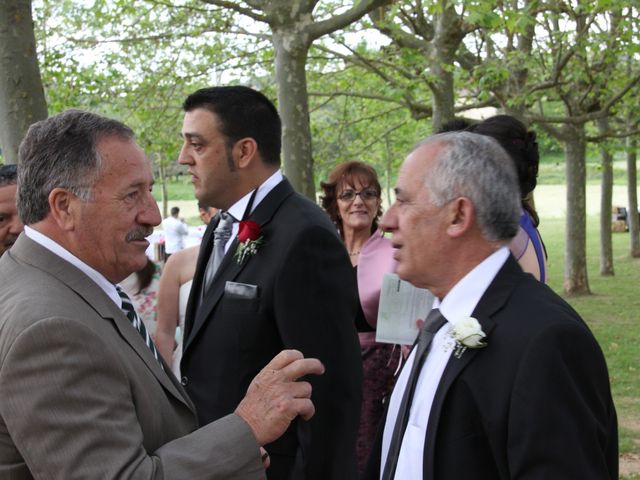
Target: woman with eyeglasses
[352,198]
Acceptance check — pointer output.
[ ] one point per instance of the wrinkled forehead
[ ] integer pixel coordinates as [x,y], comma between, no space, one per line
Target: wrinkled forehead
[123,161]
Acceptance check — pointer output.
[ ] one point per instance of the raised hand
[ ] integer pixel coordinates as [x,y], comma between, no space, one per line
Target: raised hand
[275,397]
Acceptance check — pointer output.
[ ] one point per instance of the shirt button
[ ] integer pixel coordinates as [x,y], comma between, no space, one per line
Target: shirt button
[184,381]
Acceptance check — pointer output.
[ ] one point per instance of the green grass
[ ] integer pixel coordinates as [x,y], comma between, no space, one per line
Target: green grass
[179,187]
[552,170]
[612,313]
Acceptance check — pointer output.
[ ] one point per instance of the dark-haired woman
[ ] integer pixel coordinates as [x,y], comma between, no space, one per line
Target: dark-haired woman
[522,147]
[352,198]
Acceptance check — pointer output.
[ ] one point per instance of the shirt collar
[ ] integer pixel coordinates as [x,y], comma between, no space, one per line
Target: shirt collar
[238,208]
[463,298]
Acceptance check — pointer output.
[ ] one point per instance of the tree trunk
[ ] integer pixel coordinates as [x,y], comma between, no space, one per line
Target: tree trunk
[443,97]
[606,190]
[164,195]
[291,58]
[388,168]
[448,37]
[575,261]
[22,99]
[632,187]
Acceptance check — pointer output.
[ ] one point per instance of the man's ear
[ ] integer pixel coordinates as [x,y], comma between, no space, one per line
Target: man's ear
[63,206]
[462,216]
[245,151]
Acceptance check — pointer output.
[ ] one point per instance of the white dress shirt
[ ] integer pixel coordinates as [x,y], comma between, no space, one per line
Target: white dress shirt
[175,231]
[237,209]
[57,249]
[459,303]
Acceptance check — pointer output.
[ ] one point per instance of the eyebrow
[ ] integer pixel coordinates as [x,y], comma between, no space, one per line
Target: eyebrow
[191,136]
[140,184]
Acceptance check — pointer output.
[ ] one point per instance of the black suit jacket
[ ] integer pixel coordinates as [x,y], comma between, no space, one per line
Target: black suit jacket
[534,404]
[306,299]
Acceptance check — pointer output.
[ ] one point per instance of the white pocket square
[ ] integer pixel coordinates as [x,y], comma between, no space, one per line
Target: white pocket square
[240,290]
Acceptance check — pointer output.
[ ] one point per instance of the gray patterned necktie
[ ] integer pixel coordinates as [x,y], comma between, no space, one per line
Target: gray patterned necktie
[432,324]
[130,312]
[221,236]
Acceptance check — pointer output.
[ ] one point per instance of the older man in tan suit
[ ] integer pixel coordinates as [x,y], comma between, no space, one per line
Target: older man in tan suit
[83,392]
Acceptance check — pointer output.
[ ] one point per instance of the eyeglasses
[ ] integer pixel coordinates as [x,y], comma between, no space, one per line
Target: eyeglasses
[366,195]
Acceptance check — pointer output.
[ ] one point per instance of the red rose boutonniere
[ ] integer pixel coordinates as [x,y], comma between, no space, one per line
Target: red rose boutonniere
[249,239]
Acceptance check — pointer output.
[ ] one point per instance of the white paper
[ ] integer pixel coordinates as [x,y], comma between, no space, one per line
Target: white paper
[401,304]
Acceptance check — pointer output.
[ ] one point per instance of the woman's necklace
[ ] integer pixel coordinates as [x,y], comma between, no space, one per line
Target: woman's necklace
[353,254]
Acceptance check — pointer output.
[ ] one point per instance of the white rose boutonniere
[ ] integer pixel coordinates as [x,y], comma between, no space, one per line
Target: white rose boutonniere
[467,333]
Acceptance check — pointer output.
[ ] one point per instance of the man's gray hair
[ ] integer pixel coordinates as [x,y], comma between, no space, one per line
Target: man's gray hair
[475,166]
[61,152]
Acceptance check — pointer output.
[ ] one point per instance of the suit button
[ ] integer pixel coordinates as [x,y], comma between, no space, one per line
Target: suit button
[184,381]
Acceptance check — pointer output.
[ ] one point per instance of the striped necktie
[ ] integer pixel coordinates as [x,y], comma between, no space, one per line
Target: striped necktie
[130,312]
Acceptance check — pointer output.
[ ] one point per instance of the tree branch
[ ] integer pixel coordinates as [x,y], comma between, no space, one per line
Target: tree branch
[318,29]
[237,8]
[600,138]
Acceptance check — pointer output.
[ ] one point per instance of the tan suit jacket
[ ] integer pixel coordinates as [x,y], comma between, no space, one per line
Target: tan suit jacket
[81,395]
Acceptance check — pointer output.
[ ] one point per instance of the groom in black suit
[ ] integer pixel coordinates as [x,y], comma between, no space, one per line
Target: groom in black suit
[284,280]
[521,393]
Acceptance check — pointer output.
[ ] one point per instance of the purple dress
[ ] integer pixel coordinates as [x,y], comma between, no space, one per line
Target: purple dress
[529,233]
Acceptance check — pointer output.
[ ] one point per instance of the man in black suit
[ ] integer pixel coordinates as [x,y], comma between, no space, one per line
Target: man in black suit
[284,280]
[535,402]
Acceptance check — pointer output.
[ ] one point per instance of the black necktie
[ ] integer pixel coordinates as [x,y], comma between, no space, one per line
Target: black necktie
[432,324]
[130,312]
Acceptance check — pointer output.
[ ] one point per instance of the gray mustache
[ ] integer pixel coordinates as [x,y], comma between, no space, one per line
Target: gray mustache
[139,233]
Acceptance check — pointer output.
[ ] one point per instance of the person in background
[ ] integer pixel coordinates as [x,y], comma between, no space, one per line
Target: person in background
[175,231]
[10,224]
[521,145]
[173,294]
[205,213]
[142,287]
[352,198]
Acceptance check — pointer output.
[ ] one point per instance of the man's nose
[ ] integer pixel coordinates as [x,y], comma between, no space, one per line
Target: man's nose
[184,158]
[150,213]
[388,222]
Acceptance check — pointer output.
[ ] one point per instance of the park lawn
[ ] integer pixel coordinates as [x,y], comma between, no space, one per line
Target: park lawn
[552,169]
[179,187]
[612,313]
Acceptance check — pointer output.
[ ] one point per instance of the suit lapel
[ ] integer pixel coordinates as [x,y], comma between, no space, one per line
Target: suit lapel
[41,258]
[229,269]
[491,303]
